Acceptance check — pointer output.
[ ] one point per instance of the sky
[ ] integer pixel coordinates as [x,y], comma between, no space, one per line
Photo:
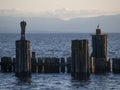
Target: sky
[60,15]
[64,9]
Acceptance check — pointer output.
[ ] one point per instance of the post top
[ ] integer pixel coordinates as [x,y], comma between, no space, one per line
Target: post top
[23,23]
[23,26]
[98,30]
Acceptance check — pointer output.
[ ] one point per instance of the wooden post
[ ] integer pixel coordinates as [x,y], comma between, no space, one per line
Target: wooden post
[23,61]
[33,63]
[63,65]
[108,67]
[47,66]
[69,65]
[92,64]
[99,54]
[40,65]
[100,65]
[80,59]
[6,64]
[14,60]
[116,65]
[57,65]
[99,44]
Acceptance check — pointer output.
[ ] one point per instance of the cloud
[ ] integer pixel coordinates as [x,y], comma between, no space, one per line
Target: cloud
[59,13]
[68,14]
[15,12]
[9,12]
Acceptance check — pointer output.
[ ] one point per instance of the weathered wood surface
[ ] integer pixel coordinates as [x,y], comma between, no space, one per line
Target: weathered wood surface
[116,65]
[39,65]
[99,59]
[80,59]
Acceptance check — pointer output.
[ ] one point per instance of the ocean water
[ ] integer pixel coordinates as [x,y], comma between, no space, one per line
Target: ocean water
[57,45]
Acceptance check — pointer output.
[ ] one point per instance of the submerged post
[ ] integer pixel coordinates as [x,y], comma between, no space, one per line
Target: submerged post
[80,59]
[99,54]
[33,62]
[23,62]
[116,65]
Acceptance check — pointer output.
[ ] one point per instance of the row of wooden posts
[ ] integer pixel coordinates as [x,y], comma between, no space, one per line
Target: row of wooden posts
[39,65]
[57,65]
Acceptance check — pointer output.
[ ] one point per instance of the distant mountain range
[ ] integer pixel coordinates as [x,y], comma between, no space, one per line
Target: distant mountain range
[108,24]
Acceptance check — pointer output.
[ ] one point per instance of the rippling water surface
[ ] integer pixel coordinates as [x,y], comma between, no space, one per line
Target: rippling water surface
[60,82]
[58,45]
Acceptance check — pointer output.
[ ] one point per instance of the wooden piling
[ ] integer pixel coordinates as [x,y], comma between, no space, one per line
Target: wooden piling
[6,64]
[116,65]
[91,64]
[62,65]
[40,65]
[33,62]
[55,65]
[108,67]
[23,59]
[80,59]
[69,65]
[99,45]
[14,60]
[100,65]
[47,66]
